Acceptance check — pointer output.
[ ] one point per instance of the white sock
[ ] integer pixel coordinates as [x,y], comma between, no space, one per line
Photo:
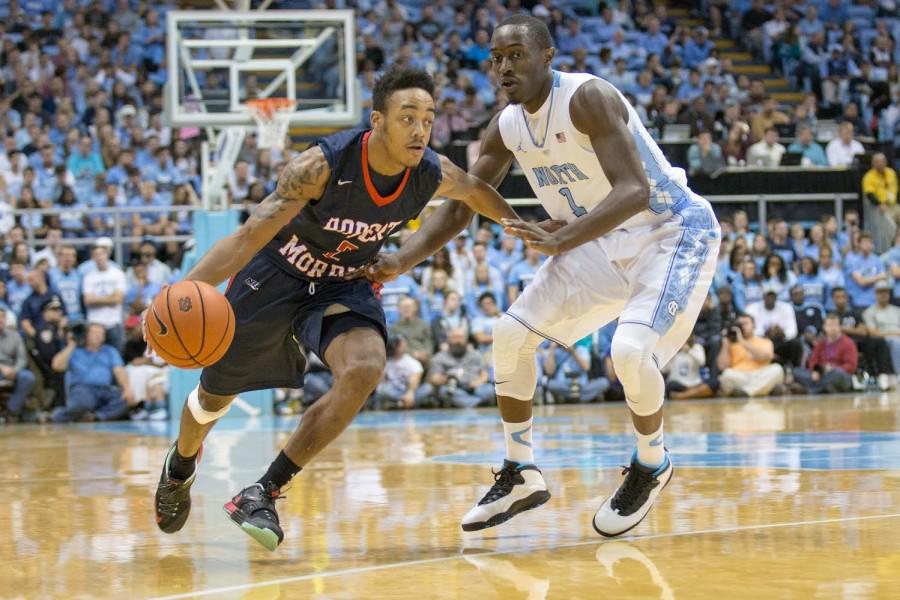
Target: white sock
[518,442]
[650,448]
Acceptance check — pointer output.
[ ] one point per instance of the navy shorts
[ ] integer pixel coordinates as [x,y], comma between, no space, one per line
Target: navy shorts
[275,313]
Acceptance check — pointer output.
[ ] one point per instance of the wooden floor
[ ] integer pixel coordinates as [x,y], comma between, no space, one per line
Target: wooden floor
[795,499]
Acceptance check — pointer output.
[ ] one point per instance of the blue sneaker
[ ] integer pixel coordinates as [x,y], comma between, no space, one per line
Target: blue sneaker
[633,500]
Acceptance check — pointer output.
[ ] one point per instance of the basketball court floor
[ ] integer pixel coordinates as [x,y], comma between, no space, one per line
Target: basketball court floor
[786,498]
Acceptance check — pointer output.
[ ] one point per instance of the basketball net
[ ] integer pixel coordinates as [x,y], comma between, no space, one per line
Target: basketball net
[272,116]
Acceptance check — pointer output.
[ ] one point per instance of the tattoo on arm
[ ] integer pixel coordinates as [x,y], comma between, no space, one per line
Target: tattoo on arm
[303,179]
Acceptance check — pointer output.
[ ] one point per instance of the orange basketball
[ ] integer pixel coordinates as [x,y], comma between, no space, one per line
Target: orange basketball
[190,325]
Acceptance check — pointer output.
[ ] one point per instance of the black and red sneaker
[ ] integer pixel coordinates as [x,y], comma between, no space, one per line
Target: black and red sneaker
[173,496]
[253,510]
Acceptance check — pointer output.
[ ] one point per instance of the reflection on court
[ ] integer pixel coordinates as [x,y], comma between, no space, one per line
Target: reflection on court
[796,498]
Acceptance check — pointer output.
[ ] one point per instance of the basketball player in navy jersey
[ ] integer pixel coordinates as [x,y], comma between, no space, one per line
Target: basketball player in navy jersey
[332,210]
[628,241]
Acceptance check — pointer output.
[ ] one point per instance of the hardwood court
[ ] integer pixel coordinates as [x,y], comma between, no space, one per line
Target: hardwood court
[795,498]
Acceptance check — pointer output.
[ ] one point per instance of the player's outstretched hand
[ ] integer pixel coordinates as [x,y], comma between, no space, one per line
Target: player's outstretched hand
[533,235]
[385,267]
[551,225]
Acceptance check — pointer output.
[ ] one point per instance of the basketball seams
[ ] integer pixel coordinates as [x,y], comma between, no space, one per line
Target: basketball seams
[212,352]
[202,317]
[175,329]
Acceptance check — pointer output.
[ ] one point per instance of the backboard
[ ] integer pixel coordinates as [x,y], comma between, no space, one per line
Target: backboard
[219,59]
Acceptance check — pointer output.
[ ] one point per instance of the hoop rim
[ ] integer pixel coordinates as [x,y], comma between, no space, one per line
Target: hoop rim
[265,109]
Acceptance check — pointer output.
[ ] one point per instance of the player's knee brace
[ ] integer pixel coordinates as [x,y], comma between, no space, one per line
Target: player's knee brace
[632,355]
[515,370]
[200,414]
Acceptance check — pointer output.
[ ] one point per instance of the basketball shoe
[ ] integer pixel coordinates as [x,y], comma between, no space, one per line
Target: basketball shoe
[634,498]
[516,488]
[173,496]
[253,510]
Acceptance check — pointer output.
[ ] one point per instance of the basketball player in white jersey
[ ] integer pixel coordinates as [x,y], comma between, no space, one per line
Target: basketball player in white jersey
[627,240]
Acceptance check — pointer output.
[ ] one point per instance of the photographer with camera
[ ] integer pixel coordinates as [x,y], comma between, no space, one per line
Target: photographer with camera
[567,372]
[745,361]
[456,376]
[94,368]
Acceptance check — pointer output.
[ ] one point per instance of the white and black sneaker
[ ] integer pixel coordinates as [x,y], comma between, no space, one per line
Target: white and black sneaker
[633,500]
[516,488]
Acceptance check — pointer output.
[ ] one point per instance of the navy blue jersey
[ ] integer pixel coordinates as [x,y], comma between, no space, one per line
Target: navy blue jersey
[345,228]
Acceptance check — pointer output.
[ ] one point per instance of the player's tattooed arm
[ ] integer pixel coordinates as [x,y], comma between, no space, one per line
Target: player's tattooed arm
[597,111]
[302,180]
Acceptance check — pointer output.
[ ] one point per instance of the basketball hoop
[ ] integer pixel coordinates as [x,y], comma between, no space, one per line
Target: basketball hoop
[272,116]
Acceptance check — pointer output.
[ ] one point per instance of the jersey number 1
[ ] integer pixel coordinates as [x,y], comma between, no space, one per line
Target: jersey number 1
[578,210]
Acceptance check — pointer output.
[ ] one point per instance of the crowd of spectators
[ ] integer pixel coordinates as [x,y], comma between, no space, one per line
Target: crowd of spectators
[83,133]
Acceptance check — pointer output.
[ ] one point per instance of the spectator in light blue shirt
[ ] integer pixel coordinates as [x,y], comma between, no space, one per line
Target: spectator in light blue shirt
[67,281]
[693,87]
[521,274]
[393,291]
[17,288]
[831,273]
[653,40]
[814,287]
[862,271]
[813,154]
[93,372]
[86,163]
[698,48]
[573,38]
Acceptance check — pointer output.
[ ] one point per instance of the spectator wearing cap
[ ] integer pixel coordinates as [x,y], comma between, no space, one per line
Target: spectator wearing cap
[813,155]
[103,292]
[767,152]
[48,341]
[863,270]
[31,316]
[777,321]
[13,363]
[833,362]
[883,321]
[698,48]
[89,265]
[97,383]
[842,149]
[158,272]
[745,361]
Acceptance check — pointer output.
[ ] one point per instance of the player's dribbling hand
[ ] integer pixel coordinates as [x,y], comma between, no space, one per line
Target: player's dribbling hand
[533,235]
[385,267]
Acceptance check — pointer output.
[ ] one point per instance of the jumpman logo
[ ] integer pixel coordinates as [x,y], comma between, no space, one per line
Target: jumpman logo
[517,437]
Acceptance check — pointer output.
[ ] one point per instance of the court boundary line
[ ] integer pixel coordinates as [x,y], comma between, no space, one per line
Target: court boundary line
[438,559]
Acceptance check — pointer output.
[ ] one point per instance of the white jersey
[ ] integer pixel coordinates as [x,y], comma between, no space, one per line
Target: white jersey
[563,169]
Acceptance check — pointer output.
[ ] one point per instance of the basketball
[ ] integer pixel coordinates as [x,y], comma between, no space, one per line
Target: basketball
[190,325]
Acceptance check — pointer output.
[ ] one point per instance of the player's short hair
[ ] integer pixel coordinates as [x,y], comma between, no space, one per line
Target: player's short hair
[399,78]
[538,33]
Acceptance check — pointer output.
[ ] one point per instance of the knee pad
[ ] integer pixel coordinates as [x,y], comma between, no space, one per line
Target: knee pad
[200,414]
[632,355]
[515,369]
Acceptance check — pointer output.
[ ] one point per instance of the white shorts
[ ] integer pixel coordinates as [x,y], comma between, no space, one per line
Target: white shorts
[655,275]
